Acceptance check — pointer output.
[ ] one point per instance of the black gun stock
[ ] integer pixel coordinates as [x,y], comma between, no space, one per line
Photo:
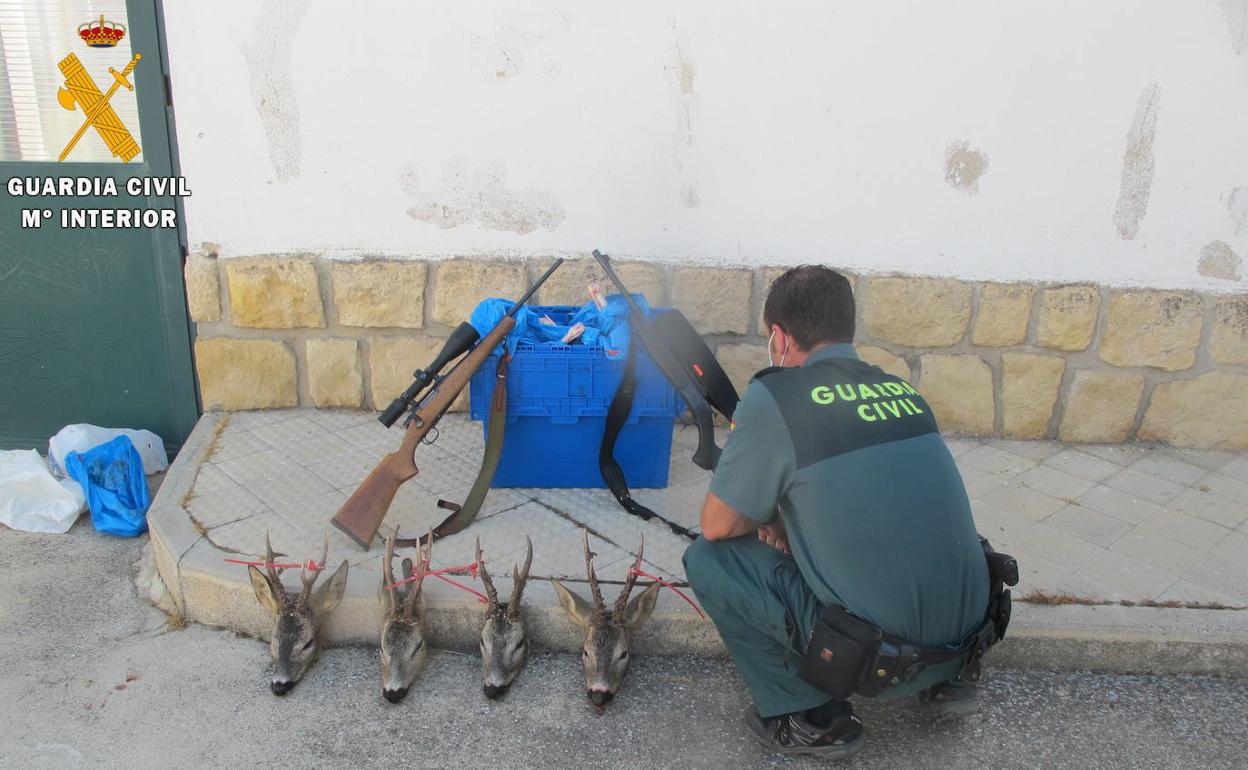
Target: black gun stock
[707,454]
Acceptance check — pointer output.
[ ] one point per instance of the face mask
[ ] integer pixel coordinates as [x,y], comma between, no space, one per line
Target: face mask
[771,361]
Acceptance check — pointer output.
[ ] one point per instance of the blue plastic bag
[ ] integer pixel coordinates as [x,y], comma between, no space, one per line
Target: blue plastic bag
[111,475]
[607,327]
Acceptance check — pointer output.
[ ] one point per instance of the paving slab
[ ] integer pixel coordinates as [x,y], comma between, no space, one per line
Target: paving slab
[1097,525]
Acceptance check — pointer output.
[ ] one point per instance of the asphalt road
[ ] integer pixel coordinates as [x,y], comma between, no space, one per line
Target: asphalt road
[92,678]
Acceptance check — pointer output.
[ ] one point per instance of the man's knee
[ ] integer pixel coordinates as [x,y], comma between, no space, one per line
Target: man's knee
[701,560]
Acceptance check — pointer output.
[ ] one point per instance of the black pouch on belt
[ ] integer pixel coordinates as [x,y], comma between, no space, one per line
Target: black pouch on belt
[842,648]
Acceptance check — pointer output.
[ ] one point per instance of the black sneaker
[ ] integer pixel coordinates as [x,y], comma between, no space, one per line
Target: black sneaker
[792,734]
[948,700]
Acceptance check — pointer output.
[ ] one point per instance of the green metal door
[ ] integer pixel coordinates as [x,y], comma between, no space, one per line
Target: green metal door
[93,322]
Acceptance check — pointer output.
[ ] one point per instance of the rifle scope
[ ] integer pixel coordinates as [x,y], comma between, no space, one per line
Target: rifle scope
[460,342]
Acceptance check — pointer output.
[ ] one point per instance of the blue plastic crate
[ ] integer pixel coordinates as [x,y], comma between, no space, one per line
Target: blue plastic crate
[557,402]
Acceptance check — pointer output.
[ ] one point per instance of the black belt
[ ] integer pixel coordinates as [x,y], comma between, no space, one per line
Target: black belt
[711,382]
[612,473]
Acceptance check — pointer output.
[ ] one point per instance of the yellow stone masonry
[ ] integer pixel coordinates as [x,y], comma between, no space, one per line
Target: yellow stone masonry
[1210,411]
[570,283]
[894,365]
[380,294]
[1160,329]
[461,285]
[917,312]
[334,376]
[1029,389]
[716,301]
[959,390]
[740,362]
[1004,313]
[245,374]
[1068,317]
[391,361]
[203,288]
[979,369]
[1229,341]
[274,293]
[1101,407]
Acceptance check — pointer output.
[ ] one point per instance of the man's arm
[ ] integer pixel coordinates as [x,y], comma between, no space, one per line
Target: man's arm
[721,522]
[753,471]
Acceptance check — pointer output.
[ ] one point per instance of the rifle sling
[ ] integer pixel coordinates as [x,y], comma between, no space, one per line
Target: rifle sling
[463,515]
[612,473]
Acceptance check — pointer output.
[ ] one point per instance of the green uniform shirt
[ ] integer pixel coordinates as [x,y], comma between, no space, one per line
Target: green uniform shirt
[876,513]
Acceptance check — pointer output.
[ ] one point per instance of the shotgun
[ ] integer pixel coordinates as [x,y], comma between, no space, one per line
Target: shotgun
[707,454]
[362,513]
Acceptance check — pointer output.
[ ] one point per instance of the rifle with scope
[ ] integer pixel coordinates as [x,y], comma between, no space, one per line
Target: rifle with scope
[361,515]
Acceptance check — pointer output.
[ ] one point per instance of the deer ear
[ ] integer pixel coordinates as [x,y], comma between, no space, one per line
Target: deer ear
[264,591]
[640,607]
[577,608]
[327,597]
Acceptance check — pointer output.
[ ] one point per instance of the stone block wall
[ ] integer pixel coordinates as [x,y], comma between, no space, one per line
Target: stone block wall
[1076,362]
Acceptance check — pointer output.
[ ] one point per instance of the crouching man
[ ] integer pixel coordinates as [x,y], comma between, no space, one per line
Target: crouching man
[838,554]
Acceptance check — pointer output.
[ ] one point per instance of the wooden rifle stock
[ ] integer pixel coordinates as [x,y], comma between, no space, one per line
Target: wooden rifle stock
[364,510]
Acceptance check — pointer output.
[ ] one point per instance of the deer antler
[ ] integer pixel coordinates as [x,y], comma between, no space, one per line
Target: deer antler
[485,579]
[599,605]
[387,559]
[519,578]
[307,581]
[425,557]
[274,579]
[622,600]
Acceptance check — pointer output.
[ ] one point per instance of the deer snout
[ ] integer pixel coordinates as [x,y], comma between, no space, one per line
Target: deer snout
[281,686]
[495,691]
[600,698]
[394,696]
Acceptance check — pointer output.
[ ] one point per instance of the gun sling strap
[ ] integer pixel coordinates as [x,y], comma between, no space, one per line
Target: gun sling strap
[463,515]
[713,383]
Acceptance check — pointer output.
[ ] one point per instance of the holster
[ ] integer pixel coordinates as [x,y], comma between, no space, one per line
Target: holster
[843,649]
[847,655]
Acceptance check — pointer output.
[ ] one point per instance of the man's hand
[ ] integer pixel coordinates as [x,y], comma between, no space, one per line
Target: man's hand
[774,536]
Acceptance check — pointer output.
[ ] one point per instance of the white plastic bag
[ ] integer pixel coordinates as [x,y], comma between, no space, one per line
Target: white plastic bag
[31,499]
[81,437]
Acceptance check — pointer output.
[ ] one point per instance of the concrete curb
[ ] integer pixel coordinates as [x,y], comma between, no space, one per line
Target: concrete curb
[1110,638]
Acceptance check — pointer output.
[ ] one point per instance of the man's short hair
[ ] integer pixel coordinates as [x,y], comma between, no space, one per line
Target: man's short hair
[812,304]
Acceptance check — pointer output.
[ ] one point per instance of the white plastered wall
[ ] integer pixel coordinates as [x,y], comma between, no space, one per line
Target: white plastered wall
[725,133]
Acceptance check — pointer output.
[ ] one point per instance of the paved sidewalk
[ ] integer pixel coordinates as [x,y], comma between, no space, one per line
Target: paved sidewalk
[93,679]
[1099,523]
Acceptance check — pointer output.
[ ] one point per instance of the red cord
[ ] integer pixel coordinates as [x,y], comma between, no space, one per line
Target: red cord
[310,565]
[662,582]
[480,596]
[470,569]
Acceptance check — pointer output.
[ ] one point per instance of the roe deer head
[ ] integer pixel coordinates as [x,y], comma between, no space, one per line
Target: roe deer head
[403,650]
[504,643]
[605,655]
[295,641]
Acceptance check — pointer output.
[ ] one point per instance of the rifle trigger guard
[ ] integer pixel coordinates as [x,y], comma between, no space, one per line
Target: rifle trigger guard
[430,437]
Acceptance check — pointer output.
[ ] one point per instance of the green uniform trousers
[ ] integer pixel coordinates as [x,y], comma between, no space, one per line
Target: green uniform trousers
[765,612]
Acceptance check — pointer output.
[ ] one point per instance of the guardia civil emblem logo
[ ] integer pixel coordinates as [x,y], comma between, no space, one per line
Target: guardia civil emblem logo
[80,91]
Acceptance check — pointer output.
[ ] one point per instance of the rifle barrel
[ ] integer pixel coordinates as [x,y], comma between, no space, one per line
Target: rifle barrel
[533,289]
